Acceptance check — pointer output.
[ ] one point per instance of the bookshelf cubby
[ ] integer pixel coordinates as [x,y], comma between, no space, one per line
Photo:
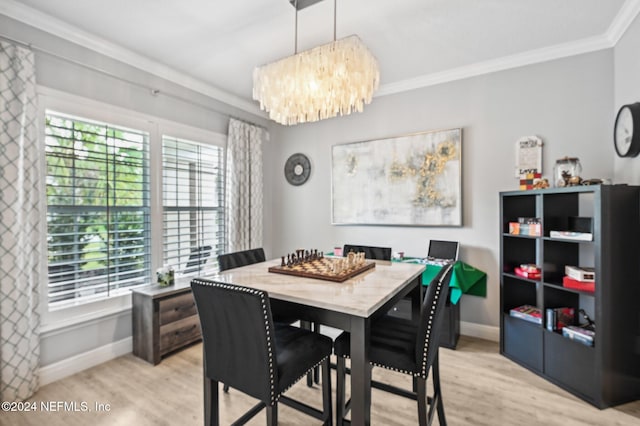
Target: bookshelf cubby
[608,372]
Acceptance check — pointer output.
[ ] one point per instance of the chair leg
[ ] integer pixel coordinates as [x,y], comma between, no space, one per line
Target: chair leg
[326,393]
[211,402]
[225,388]
[437,391]
[421,394]
[340,394]
[307,325]
[272,414]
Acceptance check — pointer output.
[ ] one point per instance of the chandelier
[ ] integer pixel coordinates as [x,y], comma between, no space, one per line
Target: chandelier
[339,77]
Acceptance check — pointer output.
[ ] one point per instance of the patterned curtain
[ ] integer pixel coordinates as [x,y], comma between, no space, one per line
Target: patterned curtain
[20,224]
[244,185]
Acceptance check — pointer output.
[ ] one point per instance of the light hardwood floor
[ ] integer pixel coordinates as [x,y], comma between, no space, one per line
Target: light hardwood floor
[480,387]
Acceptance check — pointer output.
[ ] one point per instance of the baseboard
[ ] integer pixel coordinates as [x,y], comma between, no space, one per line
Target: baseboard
[481,331]
[77,363]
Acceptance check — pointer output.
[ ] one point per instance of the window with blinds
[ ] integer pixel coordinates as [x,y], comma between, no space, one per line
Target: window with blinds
[98,209]
[193,205]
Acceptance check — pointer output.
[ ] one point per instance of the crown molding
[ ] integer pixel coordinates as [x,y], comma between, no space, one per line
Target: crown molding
[628,12]
[500,64]
[625,17]
[56,27]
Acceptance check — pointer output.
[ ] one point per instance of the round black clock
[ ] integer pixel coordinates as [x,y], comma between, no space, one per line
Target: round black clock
[626,134]
[297,169]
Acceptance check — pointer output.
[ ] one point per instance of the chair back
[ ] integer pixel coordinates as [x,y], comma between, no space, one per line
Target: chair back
[431,316]
[370,252]
[237,334]
[439,249]
[240,258]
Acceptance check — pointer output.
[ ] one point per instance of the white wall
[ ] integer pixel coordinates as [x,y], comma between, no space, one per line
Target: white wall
[567,102]
[627,91]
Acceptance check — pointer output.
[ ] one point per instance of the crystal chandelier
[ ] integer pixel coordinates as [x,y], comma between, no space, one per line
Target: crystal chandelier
[335,78]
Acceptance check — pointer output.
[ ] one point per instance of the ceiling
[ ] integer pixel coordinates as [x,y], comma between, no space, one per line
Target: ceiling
[417,42]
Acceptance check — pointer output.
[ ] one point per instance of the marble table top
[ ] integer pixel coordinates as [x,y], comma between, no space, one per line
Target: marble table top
[361,295]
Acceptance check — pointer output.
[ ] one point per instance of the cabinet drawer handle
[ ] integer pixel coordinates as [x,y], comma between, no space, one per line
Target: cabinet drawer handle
[179,332]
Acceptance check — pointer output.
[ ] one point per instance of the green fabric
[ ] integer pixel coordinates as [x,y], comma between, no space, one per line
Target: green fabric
[465,280]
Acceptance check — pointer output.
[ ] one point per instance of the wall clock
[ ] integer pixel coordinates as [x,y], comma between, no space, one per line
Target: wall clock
[297,169]
[626,134]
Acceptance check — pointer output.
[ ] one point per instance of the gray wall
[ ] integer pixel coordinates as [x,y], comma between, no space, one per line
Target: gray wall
[627,91]
[567,102]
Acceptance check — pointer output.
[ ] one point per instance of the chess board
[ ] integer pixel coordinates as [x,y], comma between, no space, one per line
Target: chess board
[321,269]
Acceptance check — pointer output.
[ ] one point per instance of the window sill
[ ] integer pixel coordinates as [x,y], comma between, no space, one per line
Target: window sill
[81,315]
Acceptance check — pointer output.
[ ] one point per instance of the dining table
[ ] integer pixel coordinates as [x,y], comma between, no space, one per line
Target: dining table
[352,305]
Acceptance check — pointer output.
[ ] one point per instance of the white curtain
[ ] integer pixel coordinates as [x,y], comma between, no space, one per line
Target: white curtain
[20,224]
[244,185]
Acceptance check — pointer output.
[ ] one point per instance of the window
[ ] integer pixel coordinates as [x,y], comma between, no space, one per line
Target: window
[193,205]
[98,209]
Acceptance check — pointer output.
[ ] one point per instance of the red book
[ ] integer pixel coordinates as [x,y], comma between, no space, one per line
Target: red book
[579,285]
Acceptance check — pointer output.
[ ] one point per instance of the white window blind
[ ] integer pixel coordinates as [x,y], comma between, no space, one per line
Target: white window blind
[193,205]
[98,208]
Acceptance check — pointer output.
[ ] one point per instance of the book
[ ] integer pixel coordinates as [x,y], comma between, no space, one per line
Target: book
[580,273]
[527,313]
[569,282]
[558,318]
[571,235]
[579,334]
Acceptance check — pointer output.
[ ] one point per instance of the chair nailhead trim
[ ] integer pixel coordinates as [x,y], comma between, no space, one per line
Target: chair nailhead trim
[423,373]
[298,379]
[263,302]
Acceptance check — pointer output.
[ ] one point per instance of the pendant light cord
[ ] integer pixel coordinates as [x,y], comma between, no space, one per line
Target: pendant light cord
[335,14]
[295,46]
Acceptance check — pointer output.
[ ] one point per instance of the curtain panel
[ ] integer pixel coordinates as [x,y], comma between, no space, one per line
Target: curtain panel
[21,212]
[244,194]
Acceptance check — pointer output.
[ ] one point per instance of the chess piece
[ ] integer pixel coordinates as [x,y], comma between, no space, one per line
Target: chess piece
[282,263]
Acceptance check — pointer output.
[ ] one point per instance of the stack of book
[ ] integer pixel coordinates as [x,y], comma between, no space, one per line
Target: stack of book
[559,318]
[527,313]
[579,334]
[526,226]
[579,278]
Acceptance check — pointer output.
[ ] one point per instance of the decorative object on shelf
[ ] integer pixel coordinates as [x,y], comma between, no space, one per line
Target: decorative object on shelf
[406,180]
[339,77]
[166,276]
[526,226]
[626,133]
[559,318]
[528,156]
[567,172]
[526,270]
[297,169]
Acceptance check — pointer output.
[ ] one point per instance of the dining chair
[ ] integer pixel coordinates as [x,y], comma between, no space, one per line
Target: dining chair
[237,259]
[405,346]
[240,258]
[439,249]
[370,252]
[244,348]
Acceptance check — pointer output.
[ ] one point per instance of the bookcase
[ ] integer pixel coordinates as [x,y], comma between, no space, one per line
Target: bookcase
[607,373]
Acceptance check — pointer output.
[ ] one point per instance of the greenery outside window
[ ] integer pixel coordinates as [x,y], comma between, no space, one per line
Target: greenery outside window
[98,209]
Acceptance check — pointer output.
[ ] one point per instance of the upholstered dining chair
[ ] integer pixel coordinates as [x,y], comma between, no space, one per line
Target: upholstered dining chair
[237,259]
[370,252]
[240,258]
[409,347]
[439,249]
[244,348]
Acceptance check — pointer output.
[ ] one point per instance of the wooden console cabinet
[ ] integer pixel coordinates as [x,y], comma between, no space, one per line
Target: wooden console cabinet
[164,320]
